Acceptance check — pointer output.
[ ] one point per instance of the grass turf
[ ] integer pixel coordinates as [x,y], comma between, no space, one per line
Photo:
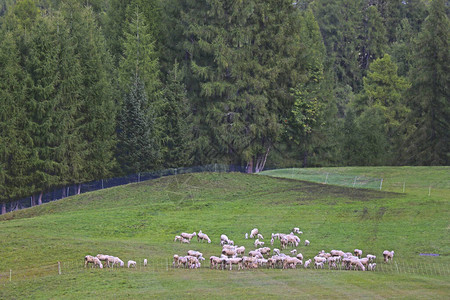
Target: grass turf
[139,221]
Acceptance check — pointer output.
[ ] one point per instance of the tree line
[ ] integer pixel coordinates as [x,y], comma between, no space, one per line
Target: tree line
[91,89]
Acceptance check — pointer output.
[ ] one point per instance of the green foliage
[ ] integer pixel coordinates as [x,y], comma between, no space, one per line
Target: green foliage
[137,148]
[176,131]
[429,141]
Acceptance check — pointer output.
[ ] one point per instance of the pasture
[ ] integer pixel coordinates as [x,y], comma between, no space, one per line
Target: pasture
[139,221]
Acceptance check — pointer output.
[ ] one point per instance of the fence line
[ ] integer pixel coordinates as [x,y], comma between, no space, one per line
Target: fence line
[428,268]
[66,191]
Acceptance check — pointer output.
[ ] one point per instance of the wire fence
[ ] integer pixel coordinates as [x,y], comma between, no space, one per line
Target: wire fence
[63,192]
[76,267]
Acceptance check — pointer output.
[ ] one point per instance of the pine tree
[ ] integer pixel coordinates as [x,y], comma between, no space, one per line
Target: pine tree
[139,56]
[429,97]
[137,148]
[374,41]
[244,57]
[96,111]
[14,150]
[177,120]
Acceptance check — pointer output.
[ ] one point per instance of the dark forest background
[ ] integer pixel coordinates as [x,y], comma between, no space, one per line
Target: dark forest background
[94,89]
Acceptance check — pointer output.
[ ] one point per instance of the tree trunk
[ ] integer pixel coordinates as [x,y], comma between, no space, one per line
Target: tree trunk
[305,159]
[78,188]
[40,198]
[250,166]
[261,161]
[63,192]
[33,200]
[3,208]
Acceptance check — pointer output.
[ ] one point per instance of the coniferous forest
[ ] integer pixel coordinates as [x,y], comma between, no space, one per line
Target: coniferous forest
[91,89]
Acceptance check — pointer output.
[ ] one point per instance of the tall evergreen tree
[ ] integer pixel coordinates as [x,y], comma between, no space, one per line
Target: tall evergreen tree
[244,56]
[96,111]
[176,124]
[429,96]
[14,150]
[137,148]
[374,42]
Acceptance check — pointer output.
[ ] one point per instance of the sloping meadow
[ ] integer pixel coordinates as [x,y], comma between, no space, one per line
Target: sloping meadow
[140,221]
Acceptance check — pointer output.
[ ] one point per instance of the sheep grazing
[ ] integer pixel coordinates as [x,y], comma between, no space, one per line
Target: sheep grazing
[235,261]
[271,241]
[188,236]
[203,237]
[337,253]
[195,253]
[258,243]
[145,262]
[388,255]
[88,259]
[276,251]
[291,262]
[264,250]
[294,252]
[246,236]
[372,267]
[118,261]
[307,263]
[255,254]
[229,252]
[318,265]
[178,238]
[358,252]
[175,260]
[306,243]
[240,250]
[98,263]
[371,257]
[185,241]
[104,258]
[260,236]
[300,256]
[297,230]
[253,233]
[131,263]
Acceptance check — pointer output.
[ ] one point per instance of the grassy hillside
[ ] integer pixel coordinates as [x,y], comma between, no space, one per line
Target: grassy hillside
[139,221]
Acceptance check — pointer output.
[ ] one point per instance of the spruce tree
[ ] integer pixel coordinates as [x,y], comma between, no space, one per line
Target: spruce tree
[137,150]
[176,122]
[429,97]
[244,57]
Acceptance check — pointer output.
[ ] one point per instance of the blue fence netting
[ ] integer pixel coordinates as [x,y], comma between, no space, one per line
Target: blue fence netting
[63,192]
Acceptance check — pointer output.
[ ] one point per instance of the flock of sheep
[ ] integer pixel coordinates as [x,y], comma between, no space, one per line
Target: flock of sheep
[260,257]
[109,260]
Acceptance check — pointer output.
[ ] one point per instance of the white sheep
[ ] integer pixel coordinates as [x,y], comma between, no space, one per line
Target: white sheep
[188,236]
[145,262]
[271,241]
[240,250]
[294,252]
[276,251]
[178,238]
[131,263]
[246,236]
[371,257]
[104,258]
[372,267]
[306,243]
[194,253]
[306,265]
[260,236]
[88,259]
[254,232]
[358,252]
[98,263]
[258,243]
[202,236]
[388,255]
[300,256]
[318,265]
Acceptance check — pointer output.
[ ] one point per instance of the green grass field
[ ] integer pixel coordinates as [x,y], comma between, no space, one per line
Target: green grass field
[139,221]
